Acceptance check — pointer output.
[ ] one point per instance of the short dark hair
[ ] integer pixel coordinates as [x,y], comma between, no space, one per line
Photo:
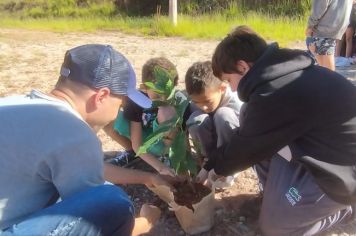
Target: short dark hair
[241,44]
[199,77]
[162,62]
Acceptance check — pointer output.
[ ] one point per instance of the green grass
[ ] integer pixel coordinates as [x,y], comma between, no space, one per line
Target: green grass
[215,26]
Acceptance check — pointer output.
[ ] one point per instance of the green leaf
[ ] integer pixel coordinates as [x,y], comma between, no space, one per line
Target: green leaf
[169,86]
[162,77]
[181,168]
[149,142]
[150,85]
[153,87]
[155,136]
[196,148]
[178,150]
[187,163]
[191,164]
[181,107]
[164,80]
[172,94]
[158,103]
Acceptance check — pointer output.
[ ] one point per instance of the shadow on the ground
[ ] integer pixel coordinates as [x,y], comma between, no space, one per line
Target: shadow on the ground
[348,72]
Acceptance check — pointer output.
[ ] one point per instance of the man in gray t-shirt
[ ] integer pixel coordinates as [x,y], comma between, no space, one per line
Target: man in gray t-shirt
[49,149]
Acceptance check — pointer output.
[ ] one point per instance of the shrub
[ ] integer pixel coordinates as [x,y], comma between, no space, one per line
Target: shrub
[59,8]
[272,7]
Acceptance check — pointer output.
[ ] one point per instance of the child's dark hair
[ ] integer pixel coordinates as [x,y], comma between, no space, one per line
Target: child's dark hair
[162,62]
[199,77]
[241,44]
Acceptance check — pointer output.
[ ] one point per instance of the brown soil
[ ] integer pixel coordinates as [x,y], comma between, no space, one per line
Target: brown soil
[187,194]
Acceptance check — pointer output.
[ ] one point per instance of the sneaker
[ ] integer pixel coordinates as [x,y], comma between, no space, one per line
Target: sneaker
[165,160]
[343,61]
[124,158]
[352,60]
[109,155]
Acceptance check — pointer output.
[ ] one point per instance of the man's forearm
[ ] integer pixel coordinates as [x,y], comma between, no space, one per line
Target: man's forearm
[119,175]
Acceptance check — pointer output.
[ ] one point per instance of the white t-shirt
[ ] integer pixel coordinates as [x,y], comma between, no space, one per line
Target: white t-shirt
[46,151]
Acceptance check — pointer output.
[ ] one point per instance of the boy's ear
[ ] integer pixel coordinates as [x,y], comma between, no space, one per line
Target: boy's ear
[223,86]
[242,67]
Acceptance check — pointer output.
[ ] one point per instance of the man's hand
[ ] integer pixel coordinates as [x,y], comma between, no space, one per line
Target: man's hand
[158,180]
[120,175]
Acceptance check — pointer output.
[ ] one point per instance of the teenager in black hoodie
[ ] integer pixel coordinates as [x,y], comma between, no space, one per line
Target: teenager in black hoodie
[298,129]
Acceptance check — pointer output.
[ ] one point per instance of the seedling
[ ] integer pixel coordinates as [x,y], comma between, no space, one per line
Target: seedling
[179,151]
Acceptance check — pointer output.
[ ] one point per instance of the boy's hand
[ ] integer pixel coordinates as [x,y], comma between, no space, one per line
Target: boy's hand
[160,167]
[202,176]
[219,181]
[213,177]
[209,178]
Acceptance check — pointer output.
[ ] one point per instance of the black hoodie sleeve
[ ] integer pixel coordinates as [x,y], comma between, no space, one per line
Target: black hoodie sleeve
[269,124]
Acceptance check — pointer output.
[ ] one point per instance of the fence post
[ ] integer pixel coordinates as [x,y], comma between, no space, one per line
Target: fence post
[173,11]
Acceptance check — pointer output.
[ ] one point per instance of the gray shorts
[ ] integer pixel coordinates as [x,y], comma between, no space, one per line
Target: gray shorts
[293,204]
[323,46]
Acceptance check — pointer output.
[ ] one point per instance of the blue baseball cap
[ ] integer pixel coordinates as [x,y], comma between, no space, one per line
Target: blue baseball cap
[99,66]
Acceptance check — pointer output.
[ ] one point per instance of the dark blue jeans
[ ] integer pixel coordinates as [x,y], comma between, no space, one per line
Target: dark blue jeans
[101,210]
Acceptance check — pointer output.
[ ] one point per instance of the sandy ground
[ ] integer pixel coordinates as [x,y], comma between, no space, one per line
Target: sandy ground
[31,59]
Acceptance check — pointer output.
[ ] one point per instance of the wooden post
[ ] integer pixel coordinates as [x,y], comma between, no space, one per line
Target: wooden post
[173,11]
